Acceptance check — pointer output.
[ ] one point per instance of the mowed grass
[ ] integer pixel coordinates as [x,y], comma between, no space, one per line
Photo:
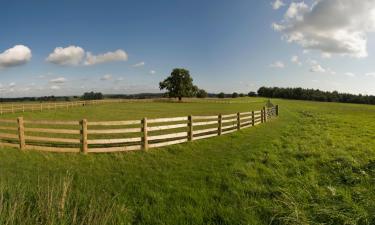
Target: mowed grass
[139,110]
[315,164]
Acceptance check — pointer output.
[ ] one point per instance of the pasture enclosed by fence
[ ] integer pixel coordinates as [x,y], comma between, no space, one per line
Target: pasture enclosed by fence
[118,136]
[15,107]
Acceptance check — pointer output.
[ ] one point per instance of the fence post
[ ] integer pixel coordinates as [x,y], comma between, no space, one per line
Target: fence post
[12,108]
[277,110]
[145,135]
[238,121]
[252,118]
[190,127]
[265,114]
[220,122]
[23,108]
[84,145]
[21,133]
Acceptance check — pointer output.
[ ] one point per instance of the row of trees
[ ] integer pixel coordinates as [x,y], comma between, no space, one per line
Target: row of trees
[314,95]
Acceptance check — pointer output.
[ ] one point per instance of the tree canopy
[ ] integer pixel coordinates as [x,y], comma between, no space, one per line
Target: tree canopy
[179,84]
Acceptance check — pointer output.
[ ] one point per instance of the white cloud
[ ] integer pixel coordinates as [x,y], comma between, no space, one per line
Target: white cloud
[349,74]
[152,71]
[69,56]
[370,74]
[59,80]
[317,69]
[106,77]
[277,64]
[55,87]
[326,55]
[277,4]
[120,79]
[295,60]
[118,55]
[18,55]
[330,26]
[11,85]
[140,64]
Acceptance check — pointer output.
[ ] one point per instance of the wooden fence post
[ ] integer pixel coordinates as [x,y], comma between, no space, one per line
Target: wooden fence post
[220,124]
[145,135]
[21,133]
[277,110]
[253,118]
[190,127]
[12,108]
[84,145]
[265,114]
[238,121]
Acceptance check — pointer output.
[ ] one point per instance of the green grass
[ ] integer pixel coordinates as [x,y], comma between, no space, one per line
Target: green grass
[315,164]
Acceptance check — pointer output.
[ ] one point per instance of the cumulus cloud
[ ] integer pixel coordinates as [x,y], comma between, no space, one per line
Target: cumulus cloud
[313,27]
[152,71]
[118,55]
[349,74]
[69,56]
[59,80]
[11,85]
[295,60]
[370,74]
[316,67]
[140,64]
[106,77]
[277,64]
[277,4]
[55,87]
[17,55]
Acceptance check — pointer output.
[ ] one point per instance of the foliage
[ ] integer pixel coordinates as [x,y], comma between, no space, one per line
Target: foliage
[92,96]
[221,95]
[314,95]
[252,94]
[234,95]
[202,93]
[241,95]
[179,84]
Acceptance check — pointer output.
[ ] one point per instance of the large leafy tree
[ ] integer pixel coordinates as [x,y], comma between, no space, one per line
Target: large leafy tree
[179,84]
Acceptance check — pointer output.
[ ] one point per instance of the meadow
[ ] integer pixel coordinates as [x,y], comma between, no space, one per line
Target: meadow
[314,164]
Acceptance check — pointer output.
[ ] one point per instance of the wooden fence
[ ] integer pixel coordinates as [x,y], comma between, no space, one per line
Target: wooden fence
[118,136]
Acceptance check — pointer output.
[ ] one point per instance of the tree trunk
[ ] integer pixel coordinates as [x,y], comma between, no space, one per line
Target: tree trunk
[179,98]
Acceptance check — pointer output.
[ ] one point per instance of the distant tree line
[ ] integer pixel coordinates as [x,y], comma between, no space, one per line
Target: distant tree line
[92,96]
[38,99]
[314,95]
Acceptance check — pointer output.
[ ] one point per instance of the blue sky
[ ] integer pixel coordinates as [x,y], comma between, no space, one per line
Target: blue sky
[69,47]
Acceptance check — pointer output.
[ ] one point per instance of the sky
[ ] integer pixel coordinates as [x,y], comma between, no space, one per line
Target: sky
[74,46]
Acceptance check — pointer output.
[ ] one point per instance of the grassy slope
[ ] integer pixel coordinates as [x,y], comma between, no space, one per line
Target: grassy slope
[314,164]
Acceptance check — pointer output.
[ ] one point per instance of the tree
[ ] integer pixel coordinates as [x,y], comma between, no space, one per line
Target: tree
[201,93]
[241,95]
[92,96]
[234,95]
[179,84]
[221,95]
[252,94]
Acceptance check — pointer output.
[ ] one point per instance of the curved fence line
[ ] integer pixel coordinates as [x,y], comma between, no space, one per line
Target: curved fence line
[119,136]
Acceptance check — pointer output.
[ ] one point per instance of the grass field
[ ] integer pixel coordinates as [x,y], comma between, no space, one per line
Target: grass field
[315,164]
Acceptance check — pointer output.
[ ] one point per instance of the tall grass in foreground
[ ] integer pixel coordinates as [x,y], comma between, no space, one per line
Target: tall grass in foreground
[54,202]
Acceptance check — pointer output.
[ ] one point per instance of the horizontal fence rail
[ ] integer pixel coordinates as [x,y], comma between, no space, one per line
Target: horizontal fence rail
[120,136]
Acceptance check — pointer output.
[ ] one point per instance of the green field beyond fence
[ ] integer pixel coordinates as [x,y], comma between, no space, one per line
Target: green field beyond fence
[119,136]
